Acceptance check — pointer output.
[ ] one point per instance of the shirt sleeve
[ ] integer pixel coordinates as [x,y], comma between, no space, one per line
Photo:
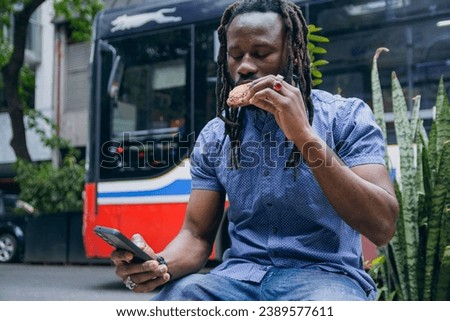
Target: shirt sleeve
[360,140]
[205,159]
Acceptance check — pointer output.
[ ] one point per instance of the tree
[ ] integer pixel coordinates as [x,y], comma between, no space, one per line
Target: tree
[79,15]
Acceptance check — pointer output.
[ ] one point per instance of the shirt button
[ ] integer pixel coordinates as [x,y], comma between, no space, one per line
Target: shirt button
[266,172]
[275,230]
[269,204]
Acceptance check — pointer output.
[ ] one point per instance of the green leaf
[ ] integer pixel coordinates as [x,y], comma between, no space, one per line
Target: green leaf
[398,268]
[409,199]
[432,143]
[437,235]
[317,38]
[414,118]
[318,50]
[443,288]
[442,120]
[377,99]
[441,96]
[313,28]
[318,63]
[316,73]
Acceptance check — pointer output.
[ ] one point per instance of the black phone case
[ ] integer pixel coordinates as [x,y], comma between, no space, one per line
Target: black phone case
[116,239]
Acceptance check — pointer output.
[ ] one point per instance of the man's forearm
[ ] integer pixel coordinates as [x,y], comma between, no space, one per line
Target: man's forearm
[363,197]
[186,254]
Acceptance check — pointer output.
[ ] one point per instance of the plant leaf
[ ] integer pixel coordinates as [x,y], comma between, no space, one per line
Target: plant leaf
[437,235]
[317,38]
[443,288]
[377,99]
[409,194]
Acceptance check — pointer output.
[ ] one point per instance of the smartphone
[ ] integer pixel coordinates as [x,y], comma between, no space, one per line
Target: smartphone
[116,239]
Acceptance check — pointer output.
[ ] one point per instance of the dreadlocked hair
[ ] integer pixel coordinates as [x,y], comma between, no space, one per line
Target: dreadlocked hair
[299,67]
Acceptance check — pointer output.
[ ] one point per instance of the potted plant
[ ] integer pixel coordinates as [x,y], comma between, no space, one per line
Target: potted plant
[415,265]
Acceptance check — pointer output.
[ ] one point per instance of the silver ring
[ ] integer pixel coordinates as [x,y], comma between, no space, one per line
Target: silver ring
[129,283]
[279,77]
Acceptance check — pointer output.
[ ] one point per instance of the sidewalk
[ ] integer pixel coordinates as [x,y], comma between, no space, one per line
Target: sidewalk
[35,282]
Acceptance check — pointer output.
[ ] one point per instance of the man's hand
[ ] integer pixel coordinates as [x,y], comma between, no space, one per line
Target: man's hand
[285,102]
[140,277]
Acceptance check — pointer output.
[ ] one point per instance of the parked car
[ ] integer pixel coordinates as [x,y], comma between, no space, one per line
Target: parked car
[14,215]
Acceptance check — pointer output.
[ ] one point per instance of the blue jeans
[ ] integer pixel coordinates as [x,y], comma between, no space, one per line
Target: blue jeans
[278,284]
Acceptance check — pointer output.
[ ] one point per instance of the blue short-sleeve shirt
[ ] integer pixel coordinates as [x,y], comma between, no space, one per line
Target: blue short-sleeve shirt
[279,218]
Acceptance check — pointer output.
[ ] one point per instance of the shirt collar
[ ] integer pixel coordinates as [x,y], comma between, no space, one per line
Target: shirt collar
[259,117]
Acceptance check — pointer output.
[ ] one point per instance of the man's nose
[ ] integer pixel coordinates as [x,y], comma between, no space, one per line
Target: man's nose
[247,66]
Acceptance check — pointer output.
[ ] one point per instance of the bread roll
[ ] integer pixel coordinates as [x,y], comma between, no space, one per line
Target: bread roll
[239,96]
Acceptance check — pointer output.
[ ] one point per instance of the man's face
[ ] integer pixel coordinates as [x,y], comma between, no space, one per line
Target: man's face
[256,46]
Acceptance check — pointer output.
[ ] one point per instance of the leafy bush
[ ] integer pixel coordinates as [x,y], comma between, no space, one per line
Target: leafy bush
[49,188]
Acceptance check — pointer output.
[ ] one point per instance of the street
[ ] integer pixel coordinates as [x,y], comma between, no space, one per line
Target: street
[39,282]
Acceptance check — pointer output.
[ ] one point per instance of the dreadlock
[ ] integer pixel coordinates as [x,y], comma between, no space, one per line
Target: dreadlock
[299,68]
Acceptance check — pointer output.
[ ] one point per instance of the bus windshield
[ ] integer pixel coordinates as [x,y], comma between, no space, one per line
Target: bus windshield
[152,99]
[147,103]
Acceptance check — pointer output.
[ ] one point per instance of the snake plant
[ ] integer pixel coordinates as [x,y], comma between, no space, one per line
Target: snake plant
[416,263]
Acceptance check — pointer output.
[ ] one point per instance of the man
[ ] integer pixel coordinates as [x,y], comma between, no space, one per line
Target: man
[303,171]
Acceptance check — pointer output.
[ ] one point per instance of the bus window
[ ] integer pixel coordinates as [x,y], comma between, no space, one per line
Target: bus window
[139,109]
[147,105]
[417,38]
[205,74]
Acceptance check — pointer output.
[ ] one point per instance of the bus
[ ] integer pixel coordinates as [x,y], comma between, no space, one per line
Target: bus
[153,76]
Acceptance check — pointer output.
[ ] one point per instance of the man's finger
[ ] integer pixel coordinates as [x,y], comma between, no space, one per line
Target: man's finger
[121,256]
[152,284]
[140,242]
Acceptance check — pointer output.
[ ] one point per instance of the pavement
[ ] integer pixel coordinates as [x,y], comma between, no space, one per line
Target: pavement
[43,282]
